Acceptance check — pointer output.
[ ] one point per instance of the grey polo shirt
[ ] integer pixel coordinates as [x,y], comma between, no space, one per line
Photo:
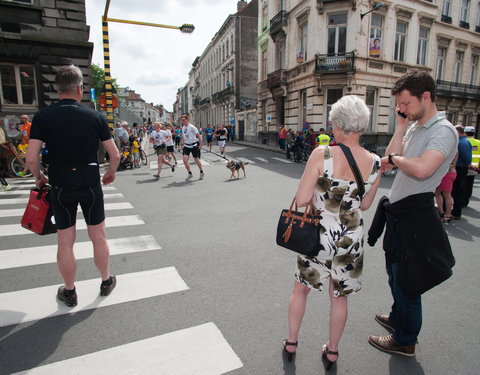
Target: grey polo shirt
[436,134]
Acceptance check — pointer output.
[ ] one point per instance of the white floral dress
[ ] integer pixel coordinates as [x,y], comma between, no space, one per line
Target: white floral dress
[341,233]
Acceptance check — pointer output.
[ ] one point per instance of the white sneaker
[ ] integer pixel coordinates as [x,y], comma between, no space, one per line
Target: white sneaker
[7,188]
[189,177]
[201,175]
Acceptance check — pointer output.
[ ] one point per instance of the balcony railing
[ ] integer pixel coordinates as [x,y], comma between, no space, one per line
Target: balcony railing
[464,25]
[276,79]
[338,63]
[222,94]
[477,29]
[196,102]
[446,19]
[277,22]
[204,101]
[458,90]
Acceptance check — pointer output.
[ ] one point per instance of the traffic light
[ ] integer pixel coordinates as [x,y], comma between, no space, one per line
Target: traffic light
[187,28]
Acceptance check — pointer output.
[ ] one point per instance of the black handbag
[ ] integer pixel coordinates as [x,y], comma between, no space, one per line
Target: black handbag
[299,231]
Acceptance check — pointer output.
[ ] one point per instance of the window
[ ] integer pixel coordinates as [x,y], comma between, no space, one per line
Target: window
[457,75]
[265,17]
[464,10]
[422,46]
[400,41]
[281,53]
[264,65]
[376,33]
[337,33]
[441,54]
[17,85]
[370,101]
[473,71]
[303,106]
[466,119]
[332,96]
[447,4]
[303,39]
[281,5]
[477,29]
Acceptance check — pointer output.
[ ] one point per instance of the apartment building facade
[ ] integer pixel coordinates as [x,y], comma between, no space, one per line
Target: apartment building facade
[37,37]
[224,78]
[312,52]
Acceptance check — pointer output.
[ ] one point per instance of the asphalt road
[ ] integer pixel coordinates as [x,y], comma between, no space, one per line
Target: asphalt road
[219,235]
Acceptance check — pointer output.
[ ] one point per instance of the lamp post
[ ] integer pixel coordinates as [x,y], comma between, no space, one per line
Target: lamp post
[375,7]
[185,28]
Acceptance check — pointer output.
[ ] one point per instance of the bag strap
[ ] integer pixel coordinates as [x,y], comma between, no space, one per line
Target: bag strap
[355,169]
[308,208]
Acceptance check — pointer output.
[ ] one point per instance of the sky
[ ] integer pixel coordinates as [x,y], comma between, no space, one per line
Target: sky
[153,61]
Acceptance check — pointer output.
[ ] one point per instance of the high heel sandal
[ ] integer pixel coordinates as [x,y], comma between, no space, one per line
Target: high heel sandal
[289,354]
[326,351]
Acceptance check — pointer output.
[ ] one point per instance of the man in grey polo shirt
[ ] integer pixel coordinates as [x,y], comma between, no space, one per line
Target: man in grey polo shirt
[422,152]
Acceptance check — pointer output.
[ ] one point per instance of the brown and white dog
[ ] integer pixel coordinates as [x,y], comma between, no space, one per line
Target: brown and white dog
[236,165]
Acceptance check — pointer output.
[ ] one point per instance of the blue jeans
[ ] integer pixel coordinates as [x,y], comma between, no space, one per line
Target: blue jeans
[406,314]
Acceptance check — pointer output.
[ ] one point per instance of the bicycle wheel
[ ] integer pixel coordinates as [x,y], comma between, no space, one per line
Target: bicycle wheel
[19,168]
[143,157]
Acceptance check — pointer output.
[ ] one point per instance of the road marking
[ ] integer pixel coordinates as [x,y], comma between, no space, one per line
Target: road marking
[26,190]
[154,164]
[6,201]
[263,159]
[247,161]
[114,221]
[108,207]
[40,303]
[200,350]
[283,160]
[30,256]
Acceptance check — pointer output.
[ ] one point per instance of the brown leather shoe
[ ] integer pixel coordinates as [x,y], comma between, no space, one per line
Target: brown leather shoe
[389,345]
[384,322]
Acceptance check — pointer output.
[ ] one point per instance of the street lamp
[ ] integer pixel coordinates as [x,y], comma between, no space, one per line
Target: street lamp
[185,28]
[375,7]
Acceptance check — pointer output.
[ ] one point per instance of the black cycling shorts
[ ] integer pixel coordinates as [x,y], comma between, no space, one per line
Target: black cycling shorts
[65,202]
[195,151]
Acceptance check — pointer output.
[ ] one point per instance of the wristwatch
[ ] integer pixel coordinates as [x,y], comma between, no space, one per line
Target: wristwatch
[390,156]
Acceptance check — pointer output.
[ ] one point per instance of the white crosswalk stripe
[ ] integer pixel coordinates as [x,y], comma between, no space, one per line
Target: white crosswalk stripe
[154,164]
[30,256]
[38,303]
[114,221]
[200,350]
[283,160]
[262,160]
[24,190]
[8,201]
[108,207]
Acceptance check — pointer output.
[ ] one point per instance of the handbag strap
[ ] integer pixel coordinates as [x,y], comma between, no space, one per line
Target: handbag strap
[355,170]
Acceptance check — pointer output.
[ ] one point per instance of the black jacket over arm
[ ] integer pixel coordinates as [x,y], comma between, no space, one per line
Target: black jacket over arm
[416,239]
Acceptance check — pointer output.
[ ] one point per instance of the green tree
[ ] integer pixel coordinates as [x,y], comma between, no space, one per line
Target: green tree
[98,80]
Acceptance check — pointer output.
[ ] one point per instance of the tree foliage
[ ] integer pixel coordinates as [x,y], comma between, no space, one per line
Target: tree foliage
[98,79]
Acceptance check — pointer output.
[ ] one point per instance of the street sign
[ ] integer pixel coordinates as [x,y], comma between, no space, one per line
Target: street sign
[268,118]
[93,95]
[102,101]
[232,120]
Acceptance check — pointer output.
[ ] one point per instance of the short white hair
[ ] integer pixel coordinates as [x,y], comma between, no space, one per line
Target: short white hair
[350,114]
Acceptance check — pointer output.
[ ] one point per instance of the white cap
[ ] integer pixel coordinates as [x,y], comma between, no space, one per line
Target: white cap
[469,129]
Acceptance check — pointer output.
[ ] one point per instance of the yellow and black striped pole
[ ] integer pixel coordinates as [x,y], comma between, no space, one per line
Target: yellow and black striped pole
[108,77]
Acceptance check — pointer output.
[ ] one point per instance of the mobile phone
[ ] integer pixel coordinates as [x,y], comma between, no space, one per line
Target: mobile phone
[401,114]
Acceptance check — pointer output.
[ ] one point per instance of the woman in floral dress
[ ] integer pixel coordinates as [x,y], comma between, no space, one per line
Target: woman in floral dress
[329,183]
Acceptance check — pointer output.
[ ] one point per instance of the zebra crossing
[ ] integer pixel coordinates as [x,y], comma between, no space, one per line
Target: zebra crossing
[199,349]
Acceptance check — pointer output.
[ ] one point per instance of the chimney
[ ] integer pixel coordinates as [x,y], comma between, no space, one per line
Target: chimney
[241,5]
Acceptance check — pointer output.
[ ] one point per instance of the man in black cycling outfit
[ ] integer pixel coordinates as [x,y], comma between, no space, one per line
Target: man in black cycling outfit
[72,133]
